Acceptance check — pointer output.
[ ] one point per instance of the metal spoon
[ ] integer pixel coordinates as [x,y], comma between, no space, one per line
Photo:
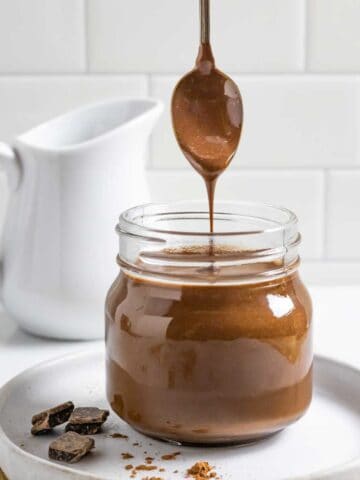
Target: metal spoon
[207,114]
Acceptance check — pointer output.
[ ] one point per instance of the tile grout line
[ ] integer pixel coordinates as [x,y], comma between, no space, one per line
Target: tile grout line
[326,214]
[148,84]
[150,163]
[260,76]
[356,119]
[304,32]
[270,169]
[86,35]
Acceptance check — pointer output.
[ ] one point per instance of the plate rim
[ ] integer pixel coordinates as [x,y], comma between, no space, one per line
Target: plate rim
[348,468]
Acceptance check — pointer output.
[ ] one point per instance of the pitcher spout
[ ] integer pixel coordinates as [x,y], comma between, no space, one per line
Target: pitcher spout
[86,126]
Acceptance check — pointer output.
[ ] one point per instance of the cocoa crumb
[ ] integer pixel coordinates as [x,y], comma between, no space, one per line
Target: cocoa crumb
[176,471]
[127,456]
[149,459]
[118,435]
[170,456]
[129,467]
[145,467]
[161,469]
[152,478]
[201,471]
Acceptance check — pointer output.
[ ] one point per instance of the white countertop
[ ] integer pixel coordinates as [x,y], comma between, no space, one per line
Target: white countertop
[336,334]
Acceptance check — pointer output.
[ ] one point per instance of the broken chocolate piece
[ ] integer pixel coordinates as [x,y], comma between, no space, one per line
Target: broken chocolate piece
[70,447]
[87,420]
[44,421]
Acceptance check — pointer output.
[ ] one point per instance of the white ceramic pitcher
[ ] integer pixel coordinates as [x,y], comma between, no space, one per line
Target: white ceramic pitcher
[69,180]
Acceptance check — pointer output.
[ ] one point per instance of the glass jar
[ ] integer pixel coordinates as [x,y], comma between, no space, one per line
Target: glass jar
[208,336]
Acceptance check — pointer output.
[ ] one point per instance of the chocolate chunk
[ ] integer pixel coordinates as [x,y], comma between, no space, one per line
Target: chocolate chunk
[44,421]
[70,447]
[86,420]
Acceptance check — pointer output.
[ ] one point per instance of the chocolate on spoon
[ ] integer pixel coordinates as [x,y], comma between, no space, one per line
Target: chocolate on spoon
[207,114]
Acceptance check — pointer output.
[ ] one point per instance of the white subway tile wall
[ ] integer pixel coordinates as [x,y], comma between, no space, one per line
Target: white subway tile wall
[296,63]
[42,36]
[333,35]
[343,215]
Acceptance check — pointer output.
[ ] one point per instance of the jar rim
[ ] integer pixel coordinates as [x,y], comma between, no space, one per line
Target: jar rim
[173,241]
[132,220]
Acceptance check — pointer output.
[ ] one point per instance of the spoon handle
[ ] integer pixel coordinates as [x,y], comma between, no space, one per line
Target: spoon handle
[205,20]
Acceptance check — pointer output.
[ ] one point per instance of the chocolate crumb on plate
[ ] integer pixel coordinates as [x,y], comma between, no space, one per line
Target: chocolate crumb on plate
[70,447]
[145,467]
[127,456]
[170,456]
[87,420]
[201,470]
[119,435]
[46,420]
[129,467]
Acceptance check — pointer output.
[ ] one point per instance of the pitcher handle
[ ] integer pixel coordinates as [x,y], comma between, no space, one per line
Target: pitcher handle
[10,163]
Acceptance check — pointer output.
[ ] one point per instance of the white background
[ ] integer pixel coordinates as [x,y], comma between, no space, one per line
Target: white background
[297,63]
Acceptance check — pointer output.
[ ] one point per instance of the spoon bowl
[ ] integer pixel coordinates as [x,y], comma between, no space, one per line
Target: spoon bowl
[207,114]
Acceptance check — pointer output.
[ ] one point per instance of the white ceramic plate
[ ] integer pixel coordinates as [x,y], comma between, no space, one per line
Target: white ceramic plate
[325,444]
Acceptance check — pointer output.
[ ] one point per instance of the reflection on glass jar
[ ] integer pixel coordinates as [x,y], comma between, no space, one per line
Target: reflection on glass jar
[208,336]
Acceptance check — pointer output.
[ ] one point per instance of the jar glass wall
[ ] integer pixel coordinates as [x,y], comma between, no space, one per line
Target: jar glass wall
[208,337]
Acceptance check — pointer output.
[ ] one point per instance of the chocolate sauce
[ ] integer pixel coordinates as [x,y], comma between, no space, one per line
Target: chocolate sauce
[208,363]
[207,116]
